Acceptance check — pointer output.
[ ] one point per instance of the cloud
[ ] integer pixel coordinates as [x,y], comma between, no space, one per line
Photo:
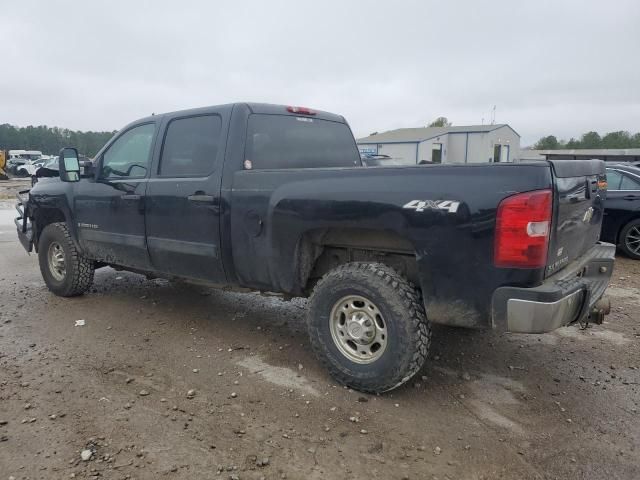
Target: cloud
[549,67]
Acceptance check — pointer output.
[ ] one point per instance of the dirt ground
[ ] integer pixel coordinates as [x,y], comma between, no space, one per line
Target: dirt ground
[9,188]
[486,406]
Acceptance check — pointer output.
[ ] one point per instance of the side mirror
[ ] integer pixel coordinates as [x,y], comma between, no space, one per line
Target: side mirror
[69,165]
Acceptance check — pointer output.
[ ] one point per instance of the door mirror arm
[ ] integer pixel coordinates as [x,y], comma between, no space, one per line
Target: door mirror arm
[87,169]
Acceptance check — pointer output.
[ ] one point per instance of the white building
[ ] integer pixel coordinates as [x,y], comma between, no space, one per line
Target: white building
[470,144]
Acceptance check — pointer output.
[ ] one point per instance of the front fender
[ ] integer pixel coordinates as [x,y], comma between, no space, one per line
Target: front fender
[52,202]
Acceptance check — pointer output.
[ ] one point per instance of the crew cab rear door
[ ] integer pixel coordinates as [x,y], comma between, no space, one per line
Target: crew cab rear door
[578,211]
[183,196]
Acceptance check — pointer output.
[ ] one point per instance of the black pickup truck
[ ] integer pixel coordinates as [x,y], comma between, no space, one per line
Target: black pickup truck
[276,198]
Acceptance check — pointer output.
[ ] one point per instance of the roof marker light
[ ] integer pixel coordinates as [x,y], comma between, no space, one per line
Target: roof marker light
[301,110]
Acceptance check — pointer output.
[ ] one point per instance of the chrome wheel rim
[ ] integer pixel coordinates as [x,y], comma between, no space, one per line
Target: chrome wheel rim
[632,240]
[55,256]
[358,329]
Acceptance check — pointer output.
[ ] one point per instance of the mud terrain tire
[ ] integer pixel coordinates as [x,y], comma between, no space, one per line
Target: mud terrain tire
[65,272]
[368,293]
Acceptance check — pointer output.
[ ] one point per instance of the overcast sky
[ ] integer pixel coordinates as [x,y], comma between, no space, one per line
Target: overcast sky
[561,67]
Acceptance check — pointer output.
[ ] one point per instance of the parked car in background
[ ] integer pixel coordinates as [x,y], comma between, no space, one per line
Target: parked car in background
[14,163]
[48,168]
[30,167]
[381,161]
[18,158]
[621,223]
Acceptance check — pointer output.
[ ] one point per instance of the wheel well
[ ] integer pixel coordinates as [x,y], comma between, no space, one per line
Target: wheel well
[44,217]
[320,251]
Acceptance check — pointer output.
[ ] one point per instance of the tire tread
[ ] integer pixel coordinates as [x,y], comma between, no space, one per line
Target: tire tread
[411,302]
[81,268]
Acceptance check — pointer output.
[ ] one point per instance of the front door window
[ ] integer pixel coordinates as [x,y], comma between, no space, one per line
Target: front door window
[130,154]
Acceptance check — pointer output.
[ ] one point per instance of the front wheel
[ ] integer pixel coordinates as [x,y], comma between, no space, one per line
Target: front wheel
[65,271]
[630,239]
[368,326]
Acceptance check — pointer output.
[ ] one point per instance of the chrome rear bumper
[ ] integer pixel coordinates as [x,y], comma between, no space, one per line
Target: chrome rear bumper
[569,296]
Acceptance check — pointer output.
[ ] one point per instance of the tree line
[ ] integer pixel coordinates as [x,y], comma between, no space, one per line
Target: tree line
[620,139]
[49,140]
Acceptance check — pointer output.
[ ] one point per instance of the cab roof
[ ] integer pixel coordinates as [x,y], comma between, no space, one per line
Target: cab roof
[259,108]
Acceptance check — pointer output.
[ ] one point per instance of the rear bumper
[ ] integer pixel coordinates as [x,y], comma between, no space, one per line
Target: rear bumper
[566,297]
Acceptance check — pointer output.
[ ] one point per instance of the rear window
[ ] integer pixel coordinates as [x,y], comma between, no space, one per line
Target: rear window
[283,141]
[629,184]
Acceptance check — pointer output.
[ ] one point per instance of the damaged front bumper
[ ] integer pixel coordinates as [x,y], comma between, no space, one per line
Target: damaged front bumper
[23,224]
[575,294]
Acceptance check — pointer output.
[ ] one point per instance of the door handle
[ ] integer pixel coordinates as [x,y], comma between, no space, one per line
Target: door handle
[131,196]
[201,198]
[631,197]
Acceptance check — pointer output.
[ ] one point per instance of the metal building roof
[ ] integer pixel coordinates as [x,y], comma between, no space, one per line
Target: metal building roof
[587,151]
[414,135]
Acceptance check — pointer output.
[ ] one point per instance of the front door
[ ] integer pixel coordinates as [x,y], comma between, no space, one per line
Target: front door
[497,153]
[110,208]
[436,153]
[506,154]
[183,198]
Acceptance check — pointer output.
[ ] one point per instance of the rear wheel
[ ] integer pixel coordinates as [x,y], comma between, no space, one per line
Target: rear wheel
[367,325]
[630,239]
[64,270]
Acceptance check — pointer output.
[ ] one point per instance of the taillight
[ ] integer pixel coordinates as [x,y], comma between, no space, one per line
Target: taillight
[301,110]
[523,224]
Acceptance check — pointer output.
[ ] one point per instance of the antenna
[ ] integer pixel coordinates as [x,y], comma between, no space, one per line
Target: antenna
[493,116]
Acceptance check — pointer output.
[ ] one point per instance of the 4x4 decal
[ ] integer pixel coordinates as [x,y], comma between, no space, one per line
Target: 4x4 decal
[422,205]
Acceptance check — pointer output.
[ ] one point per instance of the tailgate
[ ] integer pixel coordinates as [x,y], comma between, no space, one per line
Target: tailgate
[578,209]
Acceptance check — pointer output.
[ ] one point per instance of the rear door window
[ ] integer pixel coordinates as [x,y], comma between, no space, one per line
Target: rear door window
[191,146]
[629,183]
[284,141]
